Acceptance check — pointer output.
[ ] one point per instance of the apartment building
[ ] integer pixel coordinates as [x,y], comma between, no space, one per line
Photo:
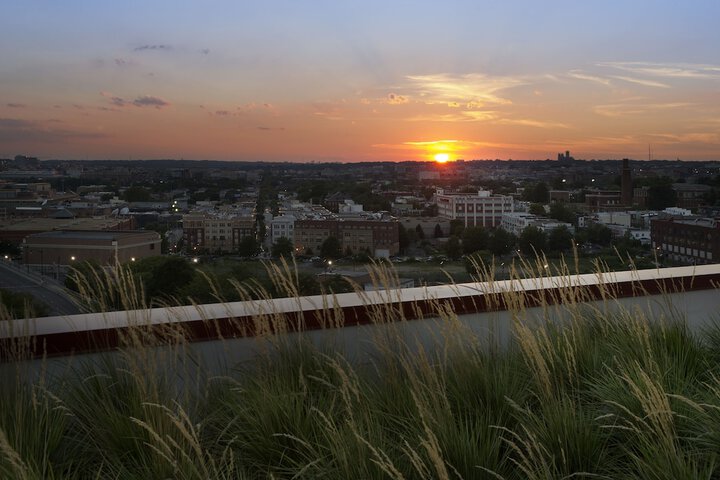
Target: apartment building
[210,232]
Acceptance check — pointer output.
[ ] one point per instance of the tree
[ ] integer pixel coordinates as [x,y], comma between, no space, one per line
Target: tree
[501,242]
[474,239]
[282,248]
[532,240]
[163,276]
[430,211]
[136,194]
[420,232]
[248,247]
[438,233]
[331,248]
[559,211]
[660,197]
[560,239]
[9,248]
[456,227]
[453,249]
[597,233]
[403,239]
[537,209]
[539,193]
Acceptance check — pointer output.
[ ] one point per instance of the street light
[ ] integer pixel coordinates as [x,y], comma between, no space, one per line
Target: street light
[72,258]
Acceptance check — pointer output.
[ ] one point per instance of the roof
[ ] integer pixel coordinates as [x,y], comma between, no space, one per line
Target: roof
[92,234]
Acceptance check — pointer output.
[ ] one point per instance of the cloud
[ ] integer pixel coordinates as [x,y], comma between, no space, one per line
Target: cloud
[592,78]
[395,99]
[150,101]
[666,70]
[118,101]
[695,137]
[123,62]
[278,129]
[641,81]
[222,113]
[462,116]
[527,122]
[205,51]
[15,105]
[474,88]
[17,130]
[143,48]
[632,108]
[431,143]
[141,101]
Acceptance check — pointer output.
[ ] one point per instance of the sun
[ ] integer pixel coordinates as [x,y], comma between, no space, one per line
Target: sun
[442,157]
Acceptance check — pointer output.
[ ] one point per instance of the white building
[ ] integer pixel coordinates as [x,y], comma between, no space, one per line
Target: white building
[481,210]
[516,222]
[282,226]
[614,218]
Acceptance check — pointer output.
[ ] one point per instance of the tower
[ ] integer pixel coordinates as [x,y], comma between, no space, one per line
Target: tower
[626,183]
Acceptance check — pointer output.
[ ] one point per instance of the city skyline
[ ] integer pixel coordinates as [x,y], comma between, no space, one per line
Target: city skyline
[359,81]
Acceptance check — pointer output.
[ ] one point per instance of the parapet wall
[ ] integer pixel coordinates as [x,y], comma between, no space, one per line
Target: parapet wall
[224,334]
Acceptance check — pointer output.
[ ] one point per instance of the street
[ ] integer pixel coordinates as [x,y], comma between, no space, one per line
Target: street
[44,289]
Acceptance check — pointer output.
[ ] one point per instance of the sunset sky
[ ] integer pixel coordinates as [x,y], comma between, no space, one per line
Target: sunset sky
[336,80]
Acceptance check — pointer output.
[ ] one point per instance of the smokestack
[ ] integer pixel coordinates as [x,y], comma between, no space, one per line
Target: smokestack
[626,183]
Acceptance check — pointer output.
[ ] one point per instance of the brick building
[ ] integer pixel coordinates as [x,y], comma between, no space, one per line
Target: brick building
[203,232]
[687,240]
[379,238]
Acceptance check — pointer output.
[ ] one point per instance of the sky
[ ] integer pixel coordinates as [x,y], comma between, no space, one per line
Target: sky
[346,80]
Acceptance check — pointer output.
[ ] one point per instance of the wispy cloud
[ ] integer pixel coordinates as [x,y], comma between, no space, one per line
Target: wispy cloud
[666,70]
[692,137]
[465,89]
[592,78]
[426,143]
[15,105]
[641,81]
[527,122]
[633,108]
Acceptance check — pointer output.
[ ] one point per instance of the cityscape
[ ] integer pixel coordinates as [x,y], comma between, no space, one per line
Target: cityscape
[359,240]
[430,220]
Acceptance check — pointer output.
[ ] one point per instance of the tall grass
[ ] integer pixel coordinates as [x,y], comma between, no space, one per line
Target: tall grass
[579,391]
